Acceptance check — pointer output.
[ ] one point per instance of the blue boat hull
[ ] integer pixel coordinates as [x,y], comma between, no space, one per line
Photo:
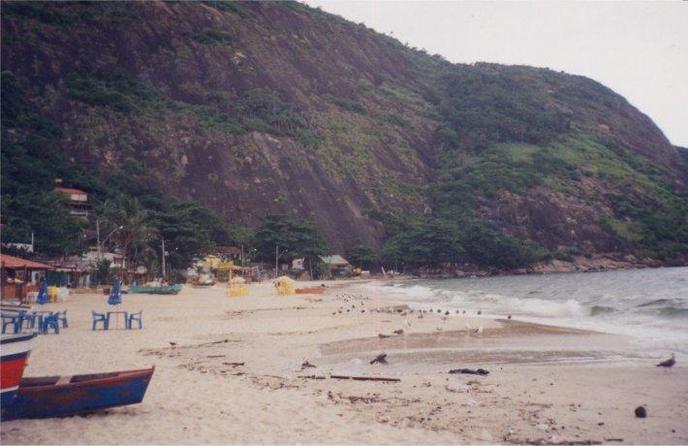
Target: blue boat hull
[52,397]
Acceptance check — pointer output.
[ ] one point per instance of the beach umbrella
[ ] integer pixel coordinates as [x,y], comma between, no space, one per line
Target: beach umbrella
[116,294]
[42,297]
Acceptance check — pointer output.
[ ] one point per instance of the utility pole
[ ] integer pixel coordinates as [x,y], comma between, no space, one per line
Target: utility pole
[163,259]
[100,250]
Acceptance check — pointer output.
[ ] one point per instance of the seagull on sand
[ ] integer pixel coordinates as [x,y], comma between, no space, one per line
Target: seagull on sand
[669,363]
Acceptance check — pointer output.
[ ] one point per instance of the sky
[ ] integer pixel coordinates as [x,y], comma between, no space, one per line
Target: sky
[638,49]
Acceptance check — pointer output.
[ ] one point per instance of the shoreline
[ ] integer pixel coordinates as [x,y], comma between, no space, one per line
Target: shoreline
[546,384]
[601,263]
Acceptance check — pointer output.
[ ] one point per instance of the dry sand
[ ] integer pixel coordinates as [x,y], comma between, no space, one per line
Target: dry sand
[546,384]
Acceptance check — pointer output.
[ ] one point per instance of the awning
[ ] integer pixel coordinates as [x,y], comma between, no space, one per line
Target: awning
[12,262]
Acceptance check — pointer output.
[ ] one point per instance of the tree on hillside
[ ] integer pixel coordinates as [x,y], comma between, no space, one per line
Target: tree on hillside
[295,239]
[56,232]
[486,246]
[189,231]
[362,257]
[426,243]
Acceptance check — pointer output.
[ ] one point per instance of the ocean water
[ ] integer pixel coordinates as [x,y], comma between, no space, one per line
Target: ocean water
[650,306]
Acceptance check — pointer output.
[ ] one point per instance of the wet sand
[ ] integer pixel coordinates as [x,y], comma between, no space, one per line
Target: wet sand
[235,375]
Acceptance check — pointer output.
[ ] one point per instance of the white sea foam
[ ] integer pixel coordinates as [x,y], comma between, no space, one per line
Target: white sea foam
[649,305]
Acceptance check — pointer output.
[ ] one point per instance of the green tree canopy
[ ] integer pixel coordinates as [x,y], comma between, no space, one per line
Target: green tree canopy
[363,257]
[424,243]
[296,239]
[132,224]
[189,230]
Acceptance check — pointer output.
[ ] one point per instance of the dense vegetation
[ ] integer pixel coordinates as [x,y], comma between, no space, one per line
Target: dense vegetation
[294,122]
[31,161]
[282,238]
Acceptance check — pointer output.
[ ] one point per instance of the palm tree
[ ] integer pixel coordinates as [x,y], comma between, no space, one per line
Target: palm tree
[135,222]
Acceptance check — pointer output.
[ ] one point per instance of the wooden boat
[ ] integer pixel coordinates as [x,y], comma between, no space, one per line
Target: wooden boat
[14,353]
[311,290]
[61,396]
[171,289]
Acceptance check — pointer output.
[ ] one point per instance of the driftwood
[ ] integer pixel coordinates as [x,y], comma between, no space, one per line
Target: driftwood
[544,441]
[399,332]
[216,356]
[482,372]
[355,378]
[365,378]
[224,341]
[307,364]
[381,358]
[234,364]
[382,336]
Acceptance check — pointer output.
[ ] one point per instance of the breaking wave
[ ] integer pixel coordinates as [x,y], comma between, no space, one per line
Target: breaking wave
[649,305]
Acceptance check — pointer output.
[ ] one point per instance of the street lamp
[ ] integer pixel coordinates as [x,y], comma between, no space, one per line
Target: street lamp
[101,244]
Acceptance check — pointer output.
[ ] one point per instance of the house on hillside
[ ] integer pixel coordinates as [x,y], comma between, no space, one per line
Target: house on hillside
[338,265]
[76,200]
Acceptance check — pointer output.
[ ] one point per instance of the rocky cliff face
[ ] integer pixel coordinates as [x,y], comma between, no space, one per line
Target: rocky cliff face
[256,108]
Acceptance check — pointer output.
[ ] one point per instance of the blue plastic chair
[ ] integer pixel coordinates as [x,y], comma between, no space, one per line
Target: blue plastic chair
[48,322]
[135,317]
[100,317]
[30,319]
[62,317]
[12,321]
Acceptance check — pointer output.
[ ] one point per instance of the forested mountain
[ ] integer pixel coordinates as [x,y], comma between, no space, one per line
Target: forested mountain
[277,108]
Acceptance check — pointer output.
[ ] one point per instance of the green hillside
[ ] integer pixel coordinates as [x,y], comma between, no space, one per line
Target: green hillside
[244,110]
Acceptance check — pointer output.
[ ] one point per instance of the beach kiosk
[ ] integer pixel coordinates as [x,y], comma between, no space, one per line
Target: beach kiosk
[16,277]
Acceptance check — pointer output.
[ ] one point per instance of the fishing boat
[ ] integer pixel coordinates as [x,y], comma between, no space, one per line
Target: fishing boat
[62,396]
[14,353]
[145,289]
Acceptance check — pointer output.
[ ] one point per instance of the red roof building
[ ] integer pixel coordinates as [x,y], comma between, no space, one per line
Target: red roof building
[15,276]
[11,262]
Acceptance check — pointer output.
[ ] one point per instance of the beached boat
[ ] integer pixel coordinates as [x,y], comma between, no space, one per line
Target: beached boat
[171,289]
[61,396]
[14,353]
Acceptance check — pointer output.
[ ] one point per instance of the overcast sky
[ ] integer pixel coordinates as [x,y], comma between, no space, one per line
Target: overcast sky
[639,49]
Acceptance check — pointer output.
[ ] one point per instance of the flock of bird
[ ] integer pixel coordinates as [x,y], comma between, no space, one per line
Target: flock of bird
[357,302]
[360,298]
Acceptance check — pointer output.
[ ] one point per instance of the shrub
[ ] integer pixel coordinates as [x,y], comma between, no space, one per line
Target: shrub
[212,36]
[346,104]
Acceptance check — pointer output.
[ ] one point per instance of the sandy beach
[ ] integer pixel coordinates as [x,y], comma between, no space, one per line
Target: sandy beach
[235,375]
